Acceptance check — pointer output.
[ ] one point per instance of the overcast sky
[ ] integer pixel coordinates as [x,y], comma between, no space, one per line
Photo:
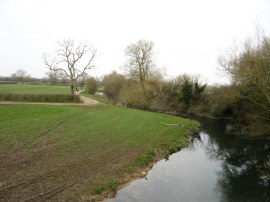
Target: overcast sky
[188,34]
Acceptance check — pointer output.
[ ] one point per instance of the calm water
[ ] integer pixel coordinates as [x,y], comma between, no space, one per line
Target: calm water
[214,167]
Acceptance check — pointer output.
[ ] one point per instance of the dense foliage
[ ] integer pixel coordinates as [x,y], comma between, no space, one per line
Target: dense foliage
[182,94]
[91,85]
[249,96]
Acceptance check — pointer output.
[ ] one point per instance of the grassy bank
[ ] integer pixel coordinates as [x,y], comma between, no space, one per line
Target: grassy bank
[34,89]
[72,152]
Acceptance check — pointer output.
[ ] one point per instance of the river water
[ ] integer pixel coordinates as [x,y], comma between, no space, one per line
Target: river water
[215,166]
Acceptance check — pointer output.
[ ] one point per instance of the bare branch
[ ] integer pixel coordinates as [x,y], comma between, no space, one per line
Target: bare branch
[69,55]
[140,60]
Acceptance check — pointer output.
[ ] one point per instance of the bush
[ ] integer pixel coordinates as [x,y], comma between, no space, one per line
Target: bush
[91,85]
[220,100]
[133,94]
[112,83]
[39,97]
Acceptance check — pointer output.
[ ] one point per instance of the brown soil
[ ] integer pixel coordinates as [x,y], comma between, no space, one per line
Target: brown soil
[45,173]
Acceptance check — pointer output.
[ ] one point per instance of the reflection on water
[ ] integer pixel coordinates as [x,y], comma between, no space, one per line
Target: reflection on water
[214,167]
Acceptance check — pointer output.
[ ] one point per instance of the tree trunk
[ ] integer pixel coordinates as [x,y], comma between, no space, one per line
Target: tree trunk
[72,88]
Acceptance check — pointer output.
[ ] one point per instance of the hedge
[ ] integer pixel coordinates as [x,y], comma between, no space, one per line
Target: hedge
[8,82]
[39,97]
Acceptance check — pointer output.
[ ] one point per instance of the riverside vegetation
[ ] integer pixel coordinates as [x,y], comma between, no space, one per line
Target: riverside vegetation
[245,101]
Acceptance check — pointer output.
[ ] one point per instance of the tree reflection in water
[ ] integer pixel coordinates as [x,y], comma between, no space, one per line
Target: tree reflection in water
[244,162]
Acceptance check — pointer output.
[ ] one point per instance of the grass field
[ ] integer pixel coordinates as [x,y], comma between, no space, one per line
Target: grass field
[34,89]
[69,152]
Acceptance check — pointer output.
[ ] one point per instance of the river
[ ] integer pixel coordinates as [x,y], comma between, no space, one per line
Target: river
[215,166]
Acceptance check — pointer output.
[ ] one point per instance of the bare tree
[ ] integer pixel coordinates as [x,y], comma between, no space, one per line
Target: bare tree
[140,60]
[73,61]
[20,75]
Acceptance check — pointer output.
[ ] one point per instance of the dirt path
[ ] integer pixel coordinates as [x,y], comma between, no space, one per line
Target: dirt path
[86,102]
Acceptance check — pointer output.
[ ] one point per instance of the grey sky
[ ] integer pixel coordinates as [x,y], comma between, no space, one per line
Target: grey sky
[188,35]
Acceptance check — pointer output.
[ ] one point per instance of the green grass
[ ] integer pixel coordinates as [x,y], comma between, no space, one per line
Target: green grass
[97,190]
[122,126]
[27,123]
[109,185]
[91,145]
[34,89]
[112,185]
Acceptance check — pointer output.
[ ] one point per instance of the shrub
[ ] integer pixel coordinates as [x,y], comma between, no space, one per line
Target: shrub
[133,94]
[91,85]
[112,83]
[39,97]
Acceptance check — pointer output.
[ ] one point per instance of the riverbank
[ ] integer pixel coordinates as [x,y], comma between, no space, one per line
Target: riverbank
[213,164]
[77,152]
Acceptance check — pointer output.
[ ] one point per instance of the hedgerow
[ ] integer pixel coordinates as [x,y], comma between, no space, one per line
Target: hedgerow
[39,97]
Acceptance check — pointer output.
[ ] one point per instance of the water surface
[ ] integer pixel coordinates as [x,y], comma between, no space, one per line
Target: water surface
[214,167]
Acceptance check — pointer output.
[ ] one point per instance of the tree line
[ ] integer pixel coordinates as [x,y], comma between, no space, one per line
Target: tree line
[245,101]
[52,78]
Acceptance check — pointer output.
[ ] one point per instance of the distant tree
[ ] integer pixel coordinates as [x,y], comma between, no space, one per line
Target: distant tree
[190,89]
[72,60]
[187,93]
[55,77]
[20,75]
[198,90]
[91,85]
[140,60]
